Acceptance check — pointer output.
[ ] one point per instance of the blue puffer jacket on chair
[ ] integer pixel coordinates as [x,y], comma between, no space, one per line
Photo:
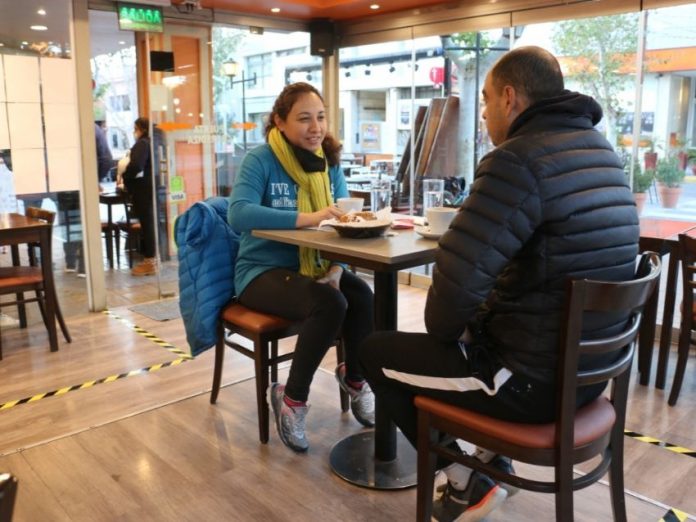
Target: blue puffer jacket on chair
[207,252]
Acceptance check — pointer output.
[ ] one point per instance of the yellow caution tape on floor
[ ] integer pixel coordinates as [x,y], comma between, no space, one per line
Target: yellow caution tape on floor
[674,515]
[152,337]
[657,442]
[90,384]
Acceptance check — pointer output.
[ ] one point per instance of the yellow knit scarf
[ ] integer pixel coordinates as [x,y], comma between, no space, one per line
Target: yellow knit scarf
[314,193]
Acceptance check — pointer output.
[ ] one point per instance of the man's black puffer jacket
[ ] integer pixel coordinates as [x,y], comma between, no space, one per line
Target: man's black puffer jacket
[548,204]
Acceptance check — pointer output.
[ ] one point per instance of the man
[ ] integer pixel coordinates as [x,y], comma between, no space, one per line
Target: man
[105,160]
[549,203]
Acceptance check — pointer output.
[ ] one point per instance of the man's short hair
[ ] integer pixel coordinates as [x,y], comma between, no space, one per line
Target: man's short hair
[532,71]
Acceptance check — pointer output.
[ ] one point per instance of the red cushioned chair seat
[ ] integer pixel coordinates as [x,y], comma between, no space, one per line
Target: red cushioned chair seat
[592,421]
[251,320]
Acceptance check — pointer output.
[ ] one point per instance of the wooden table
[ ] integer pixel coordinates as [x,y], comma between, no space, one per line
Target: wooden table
[16,229]
[661,236]
[110,199]
[370,459]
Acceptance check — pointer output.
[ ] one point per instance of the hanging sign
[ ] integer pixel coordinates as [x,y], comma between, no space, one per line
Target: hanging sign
[136,17]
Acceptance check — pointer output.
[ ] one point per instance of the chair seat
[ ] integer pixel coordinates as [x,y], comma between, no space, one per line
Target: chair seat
[252,321]
[592,421]
[14,276]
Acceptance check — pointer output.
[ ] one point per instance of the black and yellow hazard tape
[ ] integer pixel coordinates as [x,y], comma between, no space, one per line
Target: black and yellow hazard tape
[674,515]
[661,444]
[89,384]
[151,337]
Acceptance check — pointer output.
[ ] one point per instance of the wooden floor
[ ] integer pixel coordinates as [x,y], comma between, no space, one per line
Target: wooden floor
[150,446]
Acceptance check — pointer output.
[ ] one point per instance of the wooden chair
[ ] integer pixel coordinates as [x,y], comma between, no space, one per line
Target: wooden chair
[687,250]
[19,279]
[264,330]
[8,492]
[577,436]
[131,230]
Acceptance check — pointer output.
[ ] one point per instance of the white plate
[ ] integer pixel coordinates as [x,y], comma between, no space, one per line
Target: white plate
[426,233]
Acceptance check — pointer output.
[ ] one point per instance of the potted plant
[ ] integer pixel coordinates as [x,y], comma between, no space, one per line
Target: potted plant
[642,180]
[650,156]
[670,177]
[691,160]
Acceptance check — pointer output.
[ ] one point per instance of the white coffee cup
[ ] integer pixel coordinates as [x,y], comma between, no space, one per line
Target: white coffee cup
[439,218]
[350,204]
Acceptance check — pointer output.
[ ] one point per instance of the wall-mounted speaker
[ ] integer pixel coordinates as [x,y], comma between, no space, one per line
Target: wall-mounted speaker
[322,37]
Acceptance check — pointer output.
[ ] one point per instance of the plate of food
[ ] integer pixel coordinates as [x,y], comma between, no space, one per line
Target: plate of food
[425,232]
[360,225]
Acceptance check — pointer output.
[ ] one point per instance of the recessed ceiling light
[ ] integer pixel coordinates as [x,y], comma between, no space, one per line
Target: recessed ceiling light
[38,28]
[2,44]
[374,6]
[121,43]
[41,12]
[275,10]
[25,42]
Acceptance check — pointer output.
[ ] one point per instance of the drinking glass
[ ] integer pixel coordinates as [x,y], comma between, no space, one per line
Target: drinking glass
[433,194]
[381,195]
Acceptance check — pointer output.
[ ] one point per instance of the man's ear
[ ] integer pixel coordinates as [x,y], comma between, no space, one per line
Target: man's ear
[515,102]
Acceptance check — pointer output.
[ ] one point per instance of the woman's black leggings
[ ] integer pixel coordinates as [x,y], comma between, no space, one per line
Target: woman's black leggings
[327,314]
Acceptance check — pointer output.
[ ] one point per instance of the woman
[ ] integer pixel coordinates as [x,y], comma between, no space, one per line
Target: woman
[138,181]
[291,182]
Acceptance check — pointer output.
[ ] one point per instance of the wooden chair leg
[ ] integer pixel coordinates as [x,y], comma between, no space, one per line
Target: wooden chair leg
[261,366]
[616,482]
[682,357]
[340,357]
[426,468]
[219,359]
[21,310]
[61,322]
[564,494]
[274,365]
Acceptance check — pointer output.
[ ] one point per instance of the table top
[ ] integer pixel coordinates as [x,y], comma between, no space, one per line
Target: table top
[659,228]
[14,221]
[405,249]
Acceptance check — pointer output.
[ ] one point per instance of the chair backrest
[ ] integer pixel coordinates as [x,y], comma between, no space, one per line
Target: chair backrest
[687,251]
[612,351]
[8,492]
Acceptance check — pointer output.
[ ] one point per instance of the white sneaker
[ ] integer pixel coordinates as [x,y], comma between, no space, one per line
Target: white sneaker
[362,401]
[8,322]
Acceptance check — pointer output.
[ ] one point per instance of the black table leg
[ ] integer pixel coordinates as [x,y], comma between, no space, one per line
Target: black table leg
[370,459]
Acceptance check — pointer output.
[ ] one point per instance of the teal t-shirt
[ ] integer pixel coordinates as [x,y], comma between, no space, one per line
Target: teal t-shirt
[264,196]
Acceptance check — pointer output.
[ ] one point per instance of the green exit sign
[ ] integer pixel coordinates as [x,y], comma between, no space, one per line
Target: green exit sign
[136,17]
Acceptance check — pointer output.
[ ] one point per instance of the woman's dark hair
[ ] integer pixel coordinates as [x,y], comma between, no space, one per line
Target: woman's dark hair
[532,71]
[282,107]
[143,125]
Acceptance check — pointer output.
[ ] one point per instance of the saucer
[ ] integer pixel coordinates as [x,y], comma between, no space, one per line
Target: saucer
[425,232]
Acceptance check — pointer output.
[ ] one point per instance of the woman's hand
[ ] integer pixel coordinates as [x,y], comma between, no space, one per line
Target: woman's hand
[312,219]
[333,276]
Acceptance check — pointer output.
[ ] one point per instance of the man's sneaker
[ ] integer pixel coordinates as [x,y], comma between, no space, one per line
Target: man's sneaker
[362,401]
[480,497]
[290,421]
[504,464]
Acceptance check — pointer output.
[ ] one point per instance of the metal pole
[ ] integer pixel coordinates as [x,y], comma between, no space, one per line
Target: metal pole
[244,112]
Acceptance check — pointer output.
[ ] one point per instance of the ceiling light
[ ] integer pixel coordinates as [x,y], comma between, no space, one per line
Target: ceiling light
[2,44]
[374,6]
[25,42]
[121,43]
[368,72]
[347,74]
[309,77]
[275,10]
[38,28]
[41,12]
[392,69]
